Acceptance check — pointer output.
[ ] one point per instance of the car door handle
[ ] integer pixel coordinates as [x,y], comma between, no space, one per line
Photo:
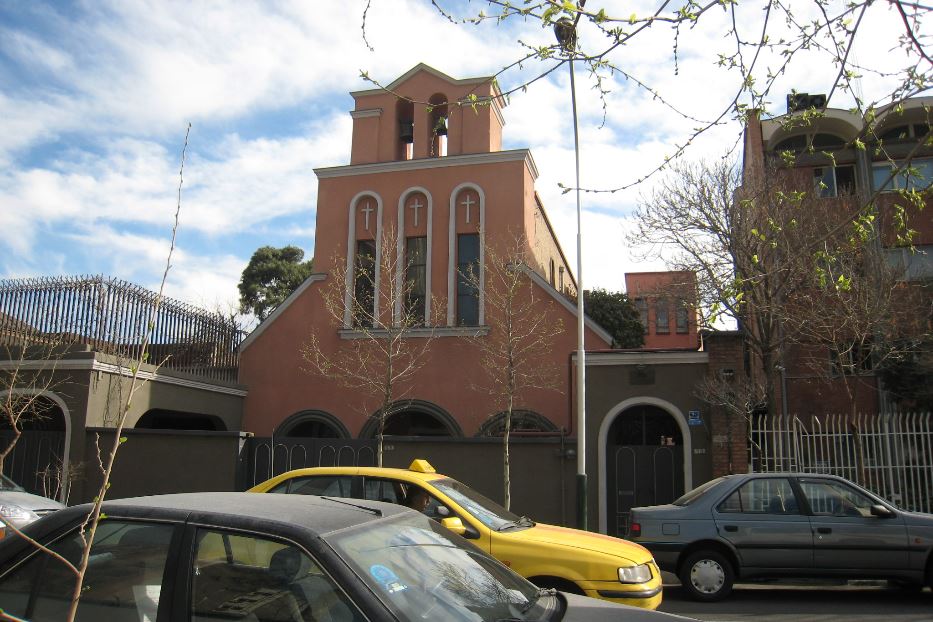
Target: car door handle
[731,527]
[824,530]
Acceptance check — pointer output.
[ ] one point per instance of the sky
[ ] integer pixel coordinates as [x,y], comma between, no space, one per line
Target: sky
[96,98]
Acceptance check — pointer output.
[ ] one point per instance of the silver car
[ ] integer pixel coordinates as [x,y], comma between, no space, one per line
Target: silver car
[783,525]
[19,508]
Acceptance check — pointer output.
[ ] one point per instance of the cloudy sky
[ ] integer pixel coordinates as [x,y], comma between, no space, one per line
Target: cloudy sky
[96,96]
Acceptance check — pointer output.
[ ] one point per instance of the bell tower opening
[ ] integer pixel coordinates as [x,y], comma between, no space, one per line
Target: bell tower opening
[405,116]
[438,121]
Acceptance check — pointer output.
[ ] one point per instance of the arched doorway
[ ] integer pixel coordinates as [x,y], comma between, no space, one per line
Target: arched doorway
[644,449]
[39,459]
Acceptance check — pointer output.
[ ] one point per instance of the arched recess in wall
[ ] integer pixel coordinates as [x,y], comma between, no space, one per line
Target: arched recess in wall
[415,418]
[45,452]
[466,246]
[163,419]
[312,424]
[522,421]
[607,427]
[413,248]
[364,240]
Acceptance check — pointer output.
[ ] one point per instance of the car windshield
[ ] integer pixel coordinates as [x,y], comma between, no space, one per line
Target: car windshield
[7,484]
[421,571]
[697,492]
[482,509]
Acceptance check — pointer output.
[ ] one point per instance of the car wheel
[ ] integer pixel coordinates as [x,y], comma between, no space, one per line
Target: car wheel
[707,576]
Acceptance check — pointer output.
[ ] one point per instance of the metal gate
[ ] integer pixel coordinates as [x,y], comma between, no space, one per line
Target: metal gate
[889,454]
[268,457]
[642,475]
[36,461]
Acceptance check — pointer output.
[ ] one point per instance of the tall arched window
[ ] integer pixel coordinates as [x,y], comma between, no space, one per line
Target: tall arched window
[465,267]
[405,121]
[363,251]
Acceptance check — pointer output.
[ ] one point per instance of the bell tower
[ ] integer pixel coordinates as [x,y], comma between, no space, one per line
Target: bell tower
[426,114]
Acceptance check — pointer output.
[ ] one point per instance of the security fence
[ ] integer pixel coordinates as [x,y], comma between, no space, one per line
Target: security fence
[889,454]
[111,316]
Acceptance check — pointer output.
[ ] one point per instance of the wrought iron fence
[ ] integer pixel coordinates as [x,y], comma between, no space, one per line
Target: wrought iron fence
[112,316]
[889,454]
[269,457]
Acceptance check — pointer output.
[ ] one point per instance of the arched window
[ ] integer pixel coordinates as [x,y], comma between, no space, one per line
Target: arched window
[364,248]
[465,268]
[415,418]
[312,424]
[522,421]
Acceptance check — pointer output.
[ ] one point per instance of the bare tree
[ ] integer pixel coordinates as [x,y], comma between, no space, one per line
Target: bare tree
[751,248]
[106,459]
[522,329]
[385,320]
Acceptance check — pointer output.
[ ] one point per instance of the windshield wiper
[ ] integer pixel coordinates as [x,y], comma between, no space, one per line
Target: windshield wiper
[524,521]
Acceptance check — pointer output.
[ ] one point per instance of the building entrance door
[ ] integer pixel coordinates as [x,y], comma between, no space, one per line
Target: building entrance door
[646,463]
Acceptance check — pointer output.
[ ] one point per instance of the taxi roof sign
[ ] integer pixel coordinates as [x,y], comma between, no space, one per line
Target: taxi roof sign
[420,465]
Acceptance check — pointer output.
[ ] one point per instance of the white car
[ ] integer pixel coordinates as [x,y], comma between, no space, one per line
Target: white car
[19,508]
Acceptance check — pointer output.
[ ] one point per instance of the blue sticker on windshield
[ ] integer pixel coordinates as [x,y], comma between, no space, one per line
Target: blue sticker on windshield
[388,579]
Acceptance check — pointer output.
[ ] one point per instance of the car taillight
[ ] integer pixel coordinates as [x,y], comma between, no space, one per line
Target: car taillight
[634,530]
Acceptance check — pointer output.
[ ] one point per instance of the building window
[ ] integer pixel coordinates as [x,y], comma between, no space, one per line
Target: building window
[662,317]
[642,306]
[553,274]
[916,176]
[364,283]
[683,317]
[853,360]
[468,279]
[835,181]
[415,277]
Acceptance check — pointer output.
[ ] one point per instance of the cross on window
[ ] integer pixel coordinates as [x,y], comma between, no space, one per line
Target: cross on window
[467,203]
[416,206]
[367,210]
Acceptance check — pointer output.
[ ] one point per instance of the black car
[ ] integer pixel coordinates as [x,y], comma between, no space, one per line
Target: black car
[783,525]
[271,558]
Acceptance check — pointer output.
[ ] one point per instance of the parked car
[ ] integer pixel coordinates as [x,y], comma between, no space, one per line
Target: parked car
[569,560]
[233,556]
[19,508]
[789,525]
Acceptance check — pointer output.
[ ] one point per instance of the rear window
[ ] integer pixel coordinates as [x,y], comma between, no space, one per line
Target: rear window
[697,492]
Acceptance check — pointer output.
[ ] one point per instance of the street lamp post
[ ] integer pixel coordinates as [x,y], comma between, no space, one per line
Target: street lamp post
[565,29]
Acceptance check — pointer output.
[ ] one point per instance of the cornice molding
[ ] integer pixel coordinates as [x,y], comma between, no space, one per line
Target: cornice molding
[92,365]
[469,159]
[596,359]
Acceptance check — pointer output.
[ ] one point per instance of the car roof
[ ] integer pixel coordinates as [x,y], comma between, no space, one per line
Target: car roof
[406,474]
[312,516]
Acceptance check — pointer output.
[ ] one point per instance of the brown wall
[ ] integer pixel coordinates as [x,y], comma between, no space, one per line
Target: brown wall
[153,462]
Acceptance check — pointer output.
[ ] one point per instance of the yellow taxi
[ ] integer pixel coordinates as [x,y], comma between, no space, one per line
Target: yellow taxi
[550,556]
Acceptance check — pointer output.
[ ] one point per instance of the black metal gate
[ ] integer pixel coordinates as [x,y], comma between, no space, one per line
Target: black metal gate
[36,460]
[266,458]
[641,475]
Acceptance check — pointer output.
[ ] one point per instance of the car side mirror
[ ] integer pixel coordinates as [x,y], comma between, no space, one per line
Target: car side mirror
[881,512]
[455,525]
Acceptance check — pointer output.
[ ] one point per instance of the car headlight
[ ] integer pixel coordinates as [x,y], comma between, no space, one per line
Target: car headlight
[635,574]
[16,515]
